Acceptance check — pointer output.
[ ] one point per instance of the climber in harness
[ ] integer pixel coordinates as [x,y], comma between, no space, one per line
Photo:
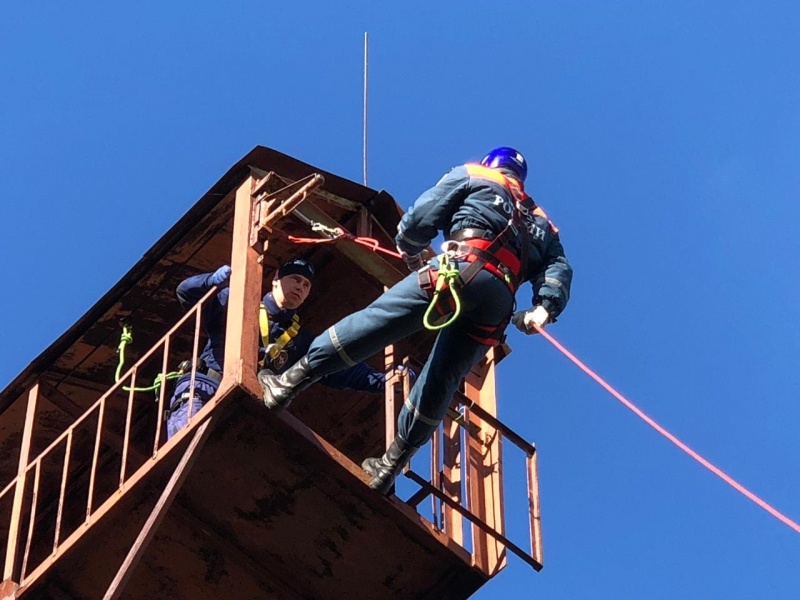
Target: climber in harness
[283,339]
[497,239]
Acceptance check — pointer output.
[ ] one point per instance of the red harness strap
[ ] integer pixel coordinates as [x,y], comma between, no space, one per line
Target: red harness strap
[501,262]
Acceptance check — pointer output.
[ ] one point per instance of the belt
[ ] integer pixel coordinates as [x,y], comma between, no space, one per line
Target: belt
[471,233]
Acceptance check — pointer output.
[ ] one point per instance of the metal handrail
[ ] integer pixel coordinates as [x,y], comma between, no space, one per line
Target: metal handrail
[472,518]
[66,438]
[434,486]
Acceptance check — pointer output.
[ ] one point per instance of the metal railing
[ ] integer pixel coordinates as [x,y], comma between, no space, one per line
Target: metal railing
[43,512]
[465,439]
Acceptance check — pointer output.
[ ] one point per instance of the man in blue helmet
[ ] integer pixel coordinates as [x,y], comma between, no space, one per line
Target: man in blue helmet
[283,340]
[499,238]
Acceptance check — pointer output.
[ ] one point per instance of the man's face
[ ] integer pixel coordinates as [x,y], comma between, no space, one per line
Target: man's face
[290,291]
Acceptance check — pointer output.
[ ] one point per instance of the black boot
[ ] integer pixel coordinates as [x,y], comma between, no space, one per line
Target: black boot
[280,390]
[383,470]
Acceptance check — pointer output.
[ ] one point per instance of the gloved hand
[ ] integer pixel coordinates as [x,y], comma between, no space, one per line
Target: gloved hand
[524,320]
[221,276]
[414,262]
[408,371]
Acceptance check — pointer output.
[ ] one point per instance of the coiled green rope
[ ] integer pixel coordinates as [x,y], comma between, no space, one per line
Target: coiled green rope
[127,338]
[445,278]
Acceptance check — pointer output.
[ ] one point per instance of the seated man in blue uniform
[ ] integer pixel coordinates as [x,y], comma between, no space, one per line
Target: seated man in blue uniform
[283,340]
[499,238]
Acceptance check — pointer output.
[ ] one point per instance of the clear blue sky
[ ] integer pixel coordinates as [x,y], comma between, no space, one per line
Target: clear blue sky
[663,139]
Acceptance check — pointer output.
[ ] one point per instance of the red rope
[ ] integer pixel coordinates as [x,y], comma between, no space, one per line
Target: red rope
[370,243]
[628,404]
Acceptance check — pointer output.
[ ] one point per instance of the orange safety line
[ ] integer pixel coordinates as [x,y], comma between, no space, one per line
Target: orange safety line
[716,470]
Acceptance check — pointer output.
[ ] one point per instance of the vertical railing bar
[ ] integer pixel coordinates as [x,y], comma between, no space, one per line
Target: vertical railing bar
[162,393]
[195,352]
[95,456]
[62,493]
[468,488]
[436,479]
[535,509]
[406,384]
[390,395]
[183,320]
[12,545]
[32,520]
[128,418]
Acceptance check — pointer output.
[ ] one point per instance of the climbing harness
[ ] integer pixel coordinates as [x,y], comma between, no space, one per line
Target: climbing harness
[126,337]
[275,350]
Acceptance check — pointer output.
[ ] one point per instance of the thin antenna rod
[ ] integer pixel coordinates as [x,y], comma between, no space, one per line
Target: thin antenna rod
[366,54]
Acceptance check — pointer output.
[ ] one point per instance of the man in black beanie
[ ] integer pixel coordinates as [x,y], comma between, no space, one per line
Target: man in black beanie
[283,341]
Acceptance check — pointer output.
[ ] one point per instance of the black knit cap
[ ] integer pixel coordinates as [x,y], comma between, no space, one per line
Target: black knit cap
[297,266]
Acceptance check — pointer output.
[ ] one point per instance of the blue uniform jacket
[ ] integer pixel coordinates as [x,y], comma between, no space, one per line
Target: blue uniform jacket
[462,200]
[360,377]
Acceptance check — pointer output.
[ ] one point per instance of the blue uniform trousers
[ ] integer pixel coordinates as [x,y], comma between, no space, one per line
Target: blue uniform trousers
[396,314]
[181,405]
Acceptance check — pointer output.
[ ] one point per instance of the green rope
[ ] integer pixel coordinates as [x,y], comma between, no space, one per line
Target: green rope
[446,278]
[127,338]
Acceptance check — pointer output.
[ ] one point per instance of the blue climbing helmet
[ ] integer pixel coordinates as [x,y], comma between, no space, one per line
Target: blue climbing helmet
[507,158]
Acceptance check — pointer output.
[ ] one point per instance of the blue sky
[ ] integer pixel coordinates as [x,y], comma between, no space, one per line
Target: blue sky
[662,139]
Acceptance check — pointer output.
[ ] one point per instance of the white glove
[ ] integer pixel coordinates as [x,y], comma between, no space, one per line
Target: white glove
[525,320]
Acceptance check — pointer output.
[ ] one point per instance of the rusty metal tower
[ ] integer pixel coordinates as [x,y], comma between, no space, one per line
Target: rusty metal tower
[244,502]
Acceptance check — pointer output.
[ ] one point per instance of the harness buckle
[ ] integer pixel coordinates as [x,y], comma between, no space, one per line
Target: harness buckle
[426,278]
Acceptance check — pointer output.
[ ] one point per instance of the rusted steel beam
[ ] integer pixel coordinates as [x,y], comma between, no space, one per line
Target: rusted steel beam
[458,418]
[127,436]
[162,395]
[96,455]
[32,519]
[484,468]
[241,338]
[263,184]
[391,392]
[495,423]
[271,207]
[8,590]
[364,225]
[157,515]
[195,356]
[9,573]
[436,476]
[417,497]
[502,540]
[535,508]
[62,492]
